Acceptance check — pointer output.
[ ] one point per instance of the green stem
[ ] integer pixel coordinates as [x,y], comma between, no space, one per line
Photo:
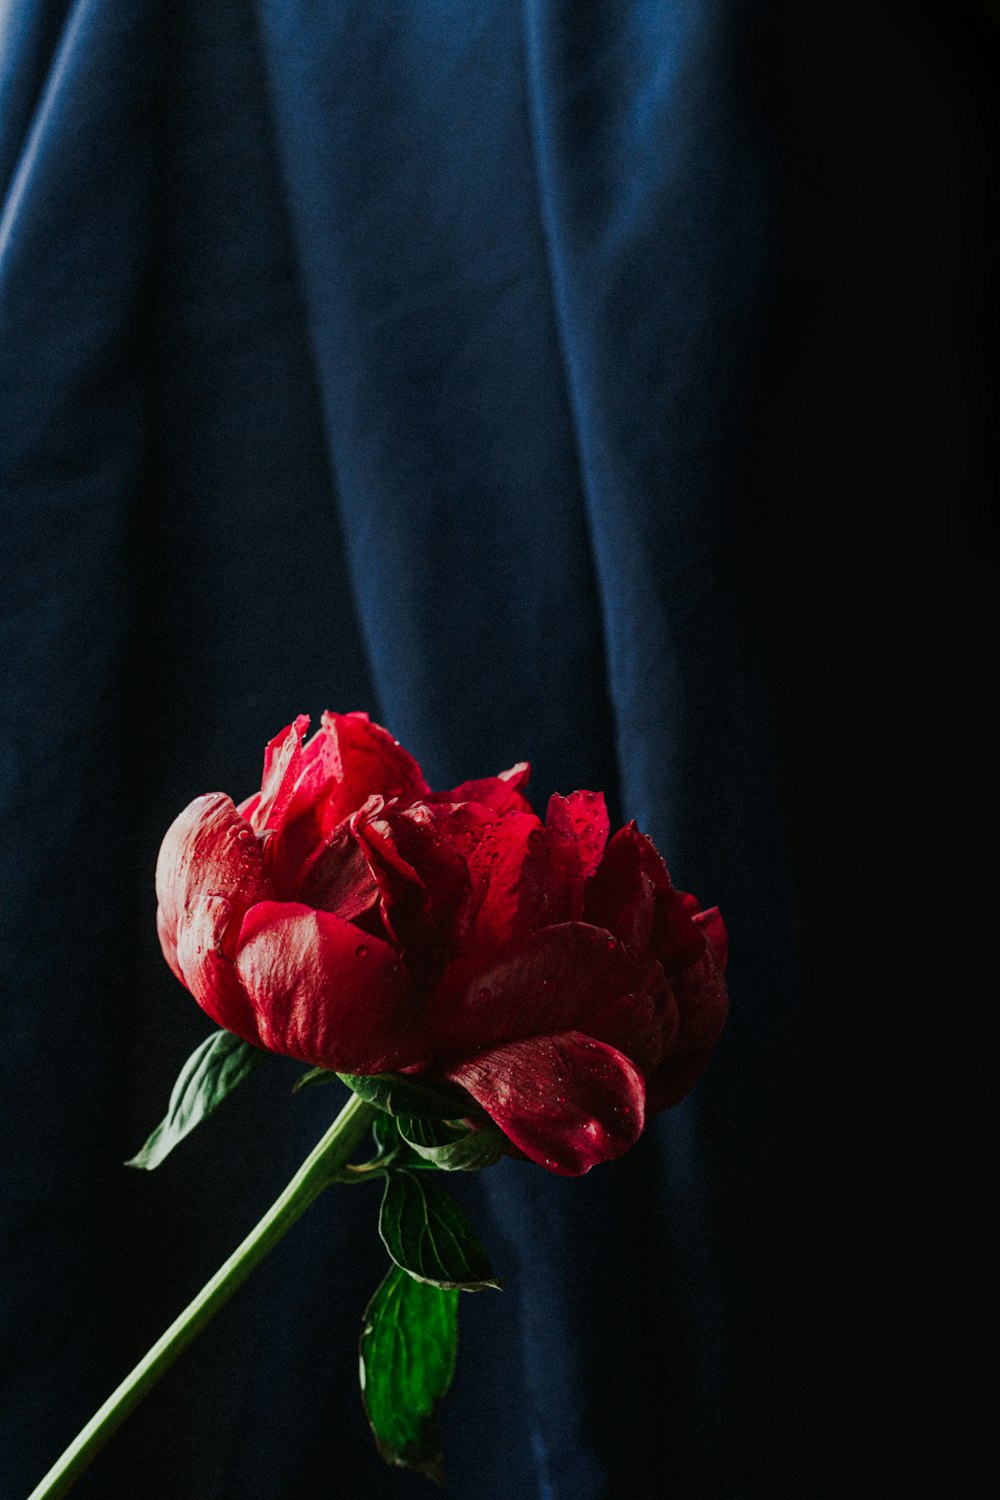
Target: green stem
[328,1157]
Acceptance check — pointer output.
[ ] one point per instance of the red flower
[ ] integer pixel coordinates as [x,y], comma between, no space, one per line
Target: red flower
[352,918]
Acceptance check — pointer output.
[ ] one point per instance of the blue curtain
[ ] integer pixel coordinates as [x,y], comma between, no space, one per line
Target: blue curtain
[505,370]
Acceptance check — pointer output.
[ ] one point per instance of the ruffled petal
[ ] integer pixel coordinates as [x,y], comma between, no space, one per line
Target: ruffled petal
[326,992]
[552,980]
[567,1101]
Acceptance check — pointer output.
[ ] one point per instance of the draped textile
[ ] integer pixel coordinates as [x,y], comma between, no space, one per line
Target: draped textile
[413,358]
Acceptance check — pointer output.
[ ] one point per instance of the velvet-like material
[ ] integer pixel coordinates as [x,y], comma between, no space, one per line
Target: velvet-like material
[510,371]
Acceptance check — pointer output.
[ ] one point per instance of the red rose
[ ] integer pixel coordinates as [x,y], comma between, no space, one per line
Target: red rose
[352,918]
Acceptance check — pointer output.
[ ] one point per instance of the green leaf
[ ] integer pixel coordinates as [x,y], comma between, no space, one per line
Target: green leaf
[428,1235]
[211,1073]
[408,1346]
[314,1075]
[390,1147]
[451,1147]
[397,1095]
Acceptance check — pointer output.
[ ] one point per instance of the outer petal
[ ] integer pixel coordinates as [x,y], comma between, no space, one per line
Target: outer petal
[208,850]
[702,1005]
[209,974]
[501,793]
[711,923]
[643,1025]
[326,992]
[550,981]
[207,875]
[566,1101]
[678,940]
[633,896]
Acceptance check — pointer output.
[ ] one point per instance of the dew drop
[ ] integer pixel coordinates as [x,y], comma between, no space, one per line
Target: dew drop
[548,982]
[361,950]
[484,994]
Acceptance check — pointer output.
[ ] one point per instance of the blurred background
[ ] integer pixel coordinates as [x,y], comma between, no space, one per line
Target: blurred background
[608,384]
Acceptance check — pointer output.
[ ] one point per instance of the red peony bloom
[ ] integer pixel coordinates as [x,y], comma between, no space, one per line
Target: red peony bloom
[352,918]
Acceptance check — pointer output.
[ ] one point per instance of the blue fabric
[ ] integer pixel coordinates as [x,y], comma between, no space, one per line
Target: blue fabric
[403,357]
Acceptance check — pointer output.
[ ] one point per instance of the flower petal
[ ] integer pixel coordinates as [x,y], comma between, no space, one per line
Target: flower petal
[281,767]
[347,760]
[567,1101]
[577,830]
[621,896]
[207,850]
[326,992]
[425,887]
[494,847]
[643,1025]
[209,973]
[633,896]
[552,980]
[711,923]
[371,761]
[338,877]
[502,793]
[702,1005]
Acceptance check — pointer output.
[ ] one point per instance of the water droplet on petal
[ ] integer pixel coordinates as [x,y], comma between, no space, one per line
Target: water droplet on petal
[362,950]
[484,994]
